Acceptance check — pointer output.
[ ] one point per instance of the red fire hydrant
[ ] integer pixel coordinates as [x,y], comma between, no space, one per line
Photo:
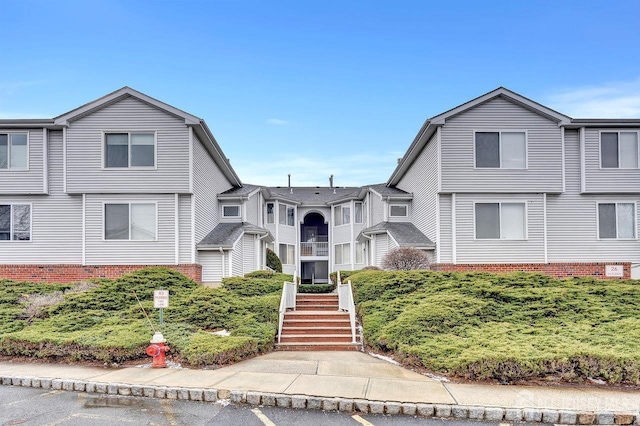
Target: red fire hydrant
[157,349]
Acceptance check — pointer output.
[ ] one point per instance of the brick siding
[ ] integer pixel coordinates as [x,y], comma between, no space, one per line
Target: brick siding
[558,270]
[74,273]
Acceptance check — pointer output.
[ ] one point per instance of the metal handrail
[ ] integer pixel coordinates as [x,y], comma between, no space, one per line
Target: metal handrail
[346,303]
[287,301]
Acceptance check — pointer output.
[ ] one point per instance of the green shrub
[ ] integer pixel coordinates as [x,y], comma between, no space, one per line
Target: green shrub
[207,349]
[273,261]
[344,276]
[316,288]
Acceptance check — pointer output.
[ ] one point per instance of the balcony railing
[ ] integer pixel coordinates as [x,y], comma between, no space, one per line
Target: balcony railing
[314,249]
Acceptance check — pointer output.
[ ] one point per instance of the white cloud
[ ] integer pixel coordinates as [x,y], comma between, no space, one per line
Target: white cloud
[348,170]
[609,100]
[277,121]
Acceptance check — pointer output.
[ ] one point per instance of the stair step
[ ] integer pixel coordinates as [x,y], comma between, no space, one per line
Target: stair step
[320,338]
[318,346]
[316,323]
[315,330]
[316,315]
[316,302]
[328,308]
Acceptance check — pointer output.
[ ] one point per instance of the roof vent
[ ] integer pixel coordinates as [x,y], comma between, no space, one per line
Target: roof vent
[399,160]
[331,183]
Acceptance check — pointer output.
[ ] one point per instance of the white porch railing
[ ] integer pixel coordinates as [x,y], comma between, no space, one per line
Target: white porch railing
[314,249]
[345,303]
[287,301]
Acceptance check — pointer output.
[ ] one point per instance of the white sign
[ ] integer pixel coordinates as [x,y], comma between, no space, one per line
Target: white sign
[614,271]
[160,298]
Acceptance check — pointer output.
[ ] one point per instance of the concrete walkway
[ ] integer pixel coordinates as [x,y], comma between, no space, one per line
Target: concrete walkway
[351,375]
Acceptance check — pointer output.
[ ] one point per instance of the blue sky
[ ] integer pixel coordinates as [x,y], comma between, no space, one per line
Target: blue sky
[319,88]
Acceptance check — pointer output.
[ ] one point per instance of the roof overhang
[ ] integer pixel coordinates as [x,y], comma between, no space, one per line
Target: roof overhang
[28,123]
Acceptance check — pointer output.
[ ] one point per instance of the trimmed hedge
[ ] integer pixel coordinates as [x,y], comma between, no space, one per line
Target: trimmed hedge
[316,288]
[504,327]
[106,323]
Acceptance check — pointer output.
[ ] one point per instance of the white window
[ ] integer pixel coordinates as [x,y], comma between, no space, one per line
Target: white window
[15,222]
[343,254]
[271,213]
[231,211]
[358,212]
[398,210]
[130,221]
[359,253]
[287,254]
[14,151]
[342,215]
[507,150]
[129,150]
[506,221]
[616,220]
[619,150]
[286,215]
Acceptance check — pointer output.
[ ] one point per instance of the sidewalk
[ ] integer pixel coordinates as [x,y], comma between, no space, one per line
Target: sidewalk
[350,381]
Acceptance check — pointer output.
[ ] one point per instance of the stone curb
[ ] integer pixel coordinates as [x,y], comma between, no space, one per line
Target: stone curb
[308,402]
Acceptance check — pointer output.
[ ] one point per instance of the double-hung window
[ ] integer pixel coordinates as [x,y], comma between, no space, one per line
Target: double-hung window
[287,254]
[359,253]
[342,254]
[342,215]
[506,150]
[133,149]
[270,213]
[286,215]
[358,211]
[619,150]
[15,222]
[398,210]
[495,221]
[617,220]
[130,221]
[14,151]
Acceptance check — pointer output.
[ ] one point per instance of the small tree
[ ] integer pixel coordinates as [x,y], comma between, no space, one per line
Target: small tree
[405,259]
[273,261]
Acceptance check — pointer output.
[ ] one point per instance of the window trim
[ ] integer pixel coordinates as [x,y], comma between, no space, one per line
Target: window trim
[17,169]
[500,132]
[618,131]
[104,218]
[273,215]
[406,210]
[129,133]
[239,215]
[11,240]
[341,207]
[616,202]
[286,215]
[355,216]
[500,202]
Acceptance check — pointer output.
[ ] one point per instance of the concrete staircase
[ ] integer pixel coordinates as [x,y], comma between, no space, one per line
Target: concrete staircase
[317,325]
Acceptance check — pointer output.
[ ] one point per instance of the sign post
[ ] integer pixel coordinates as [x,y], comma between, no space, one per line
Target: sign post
[161,301]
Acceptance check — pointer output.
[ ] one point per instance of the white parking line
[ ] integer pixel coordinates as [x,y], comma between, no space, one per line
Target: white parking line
[264,419]
[362,421]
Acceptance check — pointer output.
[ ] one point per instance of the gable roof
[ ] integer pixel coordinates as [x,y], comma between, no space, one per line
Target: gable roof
[225,235]
[429,127]
[406,234]
[199,126]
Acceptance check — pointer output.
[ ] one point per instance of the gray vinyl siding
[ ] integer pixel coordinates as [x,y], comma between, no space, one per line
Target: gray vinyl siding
[117,252]
[29,181]
[572,223]
[422,180]
[470,250]
[184,229]
[342,234]
[208,182]
[85,173]
[599,180]
[381,248]
[56,230]
[377,209]
[544,151]
[249,253]
[253,209]
[445,241]
[237,255]
[212,264]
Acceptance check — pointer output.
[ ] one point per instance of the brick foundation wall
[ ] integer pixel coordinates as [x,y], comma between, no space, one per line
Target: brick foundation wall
[558,270]
[74,273]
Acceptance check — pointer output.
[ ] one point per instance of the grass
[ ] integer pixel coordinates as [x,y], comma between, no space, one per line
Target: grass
[504,327]
[104,322]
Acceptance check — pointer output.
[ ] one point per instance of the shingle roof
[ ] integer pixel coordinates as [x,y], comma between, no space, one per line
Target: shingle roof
[226,234]
[384,190]
[246,189]
[313,195]
[405,234]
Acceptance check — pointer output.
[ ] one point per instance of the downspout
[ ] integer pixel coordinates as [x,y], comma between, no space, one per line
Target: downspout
[222,253]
